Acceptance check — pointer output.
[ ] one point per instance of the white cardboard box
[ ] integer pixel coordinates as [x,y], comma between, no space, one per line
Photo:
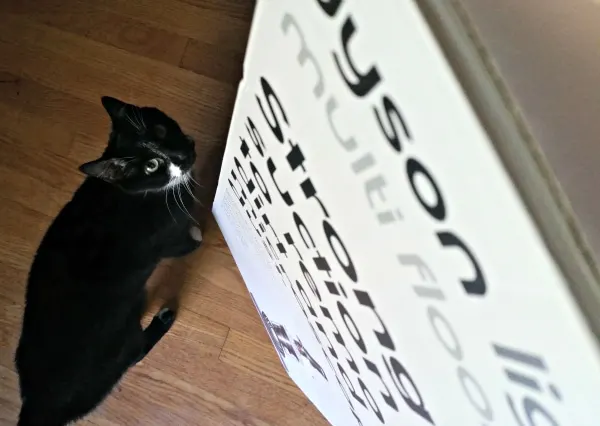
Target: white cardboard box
[394,262]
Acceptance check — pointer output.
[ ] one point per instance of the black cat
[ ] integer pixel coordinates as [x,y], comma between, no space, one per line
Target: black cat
[86,292]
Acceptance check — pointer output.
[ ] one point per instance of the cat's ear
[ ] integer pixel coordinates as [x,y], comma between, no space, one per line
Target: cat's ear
[110,170]
[114,107]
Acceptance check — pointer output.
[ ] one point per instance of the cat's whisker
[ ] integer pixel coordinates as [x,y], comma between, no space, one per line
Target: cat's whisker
[167,204]
[136,119]
[195,181]
[137,112]
[187,211]
[131,121]
[172,188]
[190,191]
[102,174]
[142,118]
[184,208]
[177,199]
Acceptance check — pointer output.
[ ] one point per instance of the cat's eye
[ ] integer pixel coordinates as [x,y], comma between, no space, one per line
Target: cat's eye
[152,166]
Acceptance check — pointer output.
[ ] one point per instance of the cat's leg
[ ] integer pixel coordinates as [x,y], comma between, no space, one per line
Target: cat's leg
[158,327]
[190,241]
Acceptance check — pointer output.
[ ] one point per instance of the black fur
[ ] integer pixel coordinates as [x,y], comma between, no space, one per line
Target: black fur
[86,292]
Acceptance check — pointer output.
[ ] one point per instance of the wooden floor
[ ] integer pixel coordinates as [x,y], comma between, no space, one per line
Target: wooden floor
[57,58]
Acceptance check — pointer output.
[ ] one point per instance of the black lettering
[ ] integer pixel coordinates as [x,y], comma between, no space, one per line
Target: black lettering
[330,346]
[287,198]
[249,184]
[371,400]
[271,255]
[353,330]
[311,192]
[355,416]
[239,196]
[295,157]
[272,101]
[300,226]
[299,301]
[387,397]
[272,249]
[309,279]
[395,121]
[330,7]
[346,264]
[340,339]
[244,148]
[255,136]
[250,212]
[350,385]
[306,299]
[477,285]
[322,264]
[384,337]
[284,274]
[290,241]
[414,168]
[400,377]
[364,82]
[261,182]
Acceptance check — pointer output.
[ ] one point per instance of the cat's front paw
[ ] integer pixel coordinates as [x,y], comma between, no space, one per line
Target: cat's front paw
[166,316]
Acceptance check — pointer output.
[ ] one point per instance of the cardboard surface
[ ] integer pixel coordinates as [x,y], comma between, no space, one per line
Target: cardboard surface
[394,264]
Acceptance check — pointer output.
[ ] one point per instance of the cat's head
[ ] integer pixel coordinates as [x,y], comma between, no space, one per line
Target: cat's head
[147,150]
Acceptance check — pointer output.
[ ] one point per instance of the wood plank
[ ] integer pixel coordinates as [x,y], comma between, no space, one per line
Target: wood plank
[214,237]
[31,192]
[9,397]
[213,61]
[241,9]
[248,354]
[219,269]
[150,395]
[41,165]
[208,25]
[86,147]
[223,306]
[11,314]
[47,112]
[137,37]
[246,394]
[22,229]
[37,161]
[46,56]
[187,20]
[85,19]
